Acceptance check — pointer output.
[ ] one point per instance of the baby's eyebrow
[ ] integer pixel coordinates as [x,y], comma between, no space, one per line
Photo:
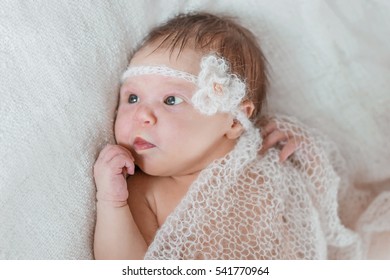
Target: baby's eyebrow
[126,88]
[159,70]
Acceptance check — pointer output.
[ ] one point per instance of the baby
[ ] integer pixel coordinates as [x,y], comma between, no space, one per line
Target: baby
[201,189]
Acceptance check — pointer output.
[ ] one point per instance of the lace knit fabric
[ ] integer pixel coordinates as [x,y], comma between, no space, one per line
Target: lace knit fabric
[157,70]
[247,206]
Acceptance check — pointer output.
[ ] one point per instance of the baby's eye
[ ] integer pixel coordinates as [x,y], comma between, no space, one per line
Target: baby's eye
[133,98]
[173,100]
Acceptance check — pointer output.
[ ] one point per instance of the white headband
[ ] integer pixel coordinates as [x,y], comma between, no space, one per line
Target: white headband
[218,89]
[158,70]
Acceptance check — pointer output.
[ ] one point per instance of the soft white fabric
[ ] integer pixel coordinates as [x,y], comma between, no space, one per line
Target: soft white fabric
[60,65]
[248,206]
[157,70]
[218,90]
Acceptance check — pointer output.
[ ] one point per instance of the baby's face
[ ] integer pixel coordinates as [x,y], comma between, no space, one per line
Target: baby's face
[158,124]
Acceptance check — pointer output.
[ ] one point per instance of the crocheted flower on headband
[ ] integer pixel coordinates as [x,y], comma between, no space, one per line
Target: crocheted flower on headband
[219,91]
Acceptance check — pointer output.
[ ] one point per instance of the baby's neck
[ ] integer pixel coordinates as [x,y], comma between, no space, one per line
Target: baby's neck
[185,180]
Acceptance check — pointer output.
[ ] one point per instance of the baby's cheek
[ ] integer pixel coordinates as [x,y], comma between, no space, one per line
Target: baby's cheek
[120,129]
[116,129]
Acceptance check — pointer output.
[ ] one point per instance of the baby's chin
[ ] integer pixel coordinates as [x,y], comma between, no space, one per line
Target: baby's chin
[162,170]
[152,170]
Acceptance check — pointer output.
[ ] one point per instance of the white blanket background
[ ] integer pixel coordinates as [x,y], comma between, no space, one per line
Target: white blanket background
[60,64]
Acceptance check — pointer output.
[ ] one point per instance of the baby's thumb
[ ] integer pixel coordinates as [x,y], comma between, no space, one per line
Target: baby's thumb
[130,167]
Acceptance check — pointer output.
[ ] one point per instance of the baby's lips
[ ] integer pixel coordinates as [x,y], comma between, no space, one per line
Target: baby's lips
[142,144]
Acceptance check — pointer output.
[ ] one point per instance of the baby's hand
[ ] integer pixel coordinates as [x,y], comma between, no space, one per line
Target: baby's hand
[273,137]
[110,171]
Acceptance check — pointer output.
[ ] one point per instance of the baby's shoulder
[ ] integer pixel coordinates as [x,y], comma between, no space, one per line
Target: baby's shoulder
[159,194]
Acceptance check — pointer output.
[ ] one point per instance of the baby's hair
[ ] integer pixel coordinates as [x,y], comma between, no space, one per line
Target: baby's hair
[221,35]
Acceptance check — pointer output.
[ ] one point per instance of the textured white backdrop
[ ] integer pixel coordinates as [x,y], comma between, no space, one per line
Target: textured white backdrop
[60,63]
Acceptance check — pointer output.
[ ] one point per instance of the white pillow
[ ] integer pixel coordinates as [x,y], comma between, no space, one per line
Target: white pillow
[60,64]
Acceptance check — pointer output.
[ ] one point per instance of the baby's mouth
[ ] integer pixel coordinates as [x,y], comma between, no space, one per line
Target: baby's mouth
[141,144]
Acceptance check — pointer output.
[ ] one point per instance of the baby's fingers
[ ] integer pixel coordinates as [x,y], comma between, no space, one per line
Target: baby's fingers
[268,128]
[109,152]
[117,158]
[272,140]
[288,149]
[130,167]
[122,163]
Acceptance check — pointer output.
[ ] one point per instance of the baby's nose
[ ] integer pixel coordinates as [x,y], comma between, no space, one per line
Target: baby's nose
[145,116]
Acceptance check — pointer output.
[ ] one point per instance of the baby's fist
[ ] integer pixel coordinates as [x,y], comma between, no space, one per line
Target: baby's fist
[110,171]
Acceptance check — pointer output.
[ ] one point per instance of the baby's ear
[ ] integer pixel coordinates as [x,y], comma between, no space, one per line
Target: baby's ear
[236,129]
[247,107]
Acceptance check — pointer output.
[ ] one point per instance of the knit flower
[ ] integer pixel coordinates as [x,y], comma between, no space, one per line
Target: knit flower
[218,89]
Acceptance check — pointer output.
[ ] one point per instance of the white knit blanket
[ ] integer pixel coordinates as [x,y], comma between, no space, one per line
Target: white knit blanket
[248,206]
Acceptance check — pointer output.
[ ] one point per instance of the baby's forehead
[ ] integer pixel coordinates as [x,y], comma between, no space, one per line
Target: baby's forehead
[186,60]
[156,83]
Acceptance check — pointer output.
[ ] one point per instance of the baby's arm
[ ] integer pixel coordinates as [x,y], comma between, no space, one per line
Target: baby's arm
[116,234]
